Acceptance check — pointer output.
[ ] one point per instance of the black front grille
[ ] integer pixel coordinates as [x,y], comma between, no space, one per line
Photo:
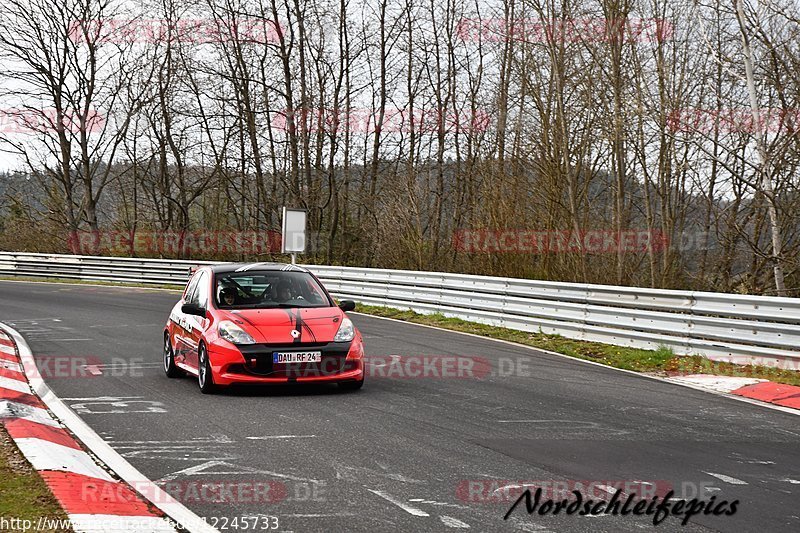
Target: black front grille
[258,360]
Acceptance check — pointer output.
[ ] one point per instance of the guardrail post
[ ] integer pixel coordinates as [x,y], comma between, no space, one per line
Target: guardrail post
[689,336]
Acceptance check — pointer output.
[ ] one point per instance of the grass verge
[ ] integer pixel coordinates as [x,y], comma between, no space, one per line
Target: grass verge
[23,493]
[662,362]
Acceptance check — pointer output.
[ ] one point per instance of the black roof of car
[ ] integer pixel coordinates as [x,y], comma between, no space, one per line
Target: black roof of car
[225,268]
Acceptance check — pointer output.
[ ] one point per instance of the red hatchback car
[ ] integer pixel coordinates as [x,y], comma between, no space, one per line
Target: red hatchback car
[261,323]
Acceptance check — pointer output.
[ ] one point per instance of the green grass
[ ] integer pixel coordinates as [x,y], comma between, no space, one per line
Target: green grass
[23,493]
[662,361]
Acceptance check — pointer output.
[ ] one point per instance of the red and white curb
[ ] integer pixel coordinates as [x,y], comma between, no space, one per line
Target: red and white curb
[95,500]
[756,389]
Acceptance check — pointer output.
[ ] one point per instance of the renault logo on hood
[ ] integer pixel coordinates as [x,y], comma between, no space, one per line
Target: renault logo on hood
[295,333]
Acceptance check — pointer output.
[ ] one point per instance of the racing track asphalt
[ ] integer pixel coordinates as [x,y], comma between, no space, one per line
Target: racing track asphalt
[392,456]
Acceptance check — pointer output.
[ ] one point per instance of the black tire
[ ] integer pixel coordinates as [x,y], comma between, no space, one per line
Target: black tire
[205,377]
[351,385]
[170,369]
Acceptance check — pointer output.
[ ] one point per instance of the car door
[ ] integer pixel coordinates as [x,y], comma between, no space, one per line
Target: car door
[181,337]
[196,325]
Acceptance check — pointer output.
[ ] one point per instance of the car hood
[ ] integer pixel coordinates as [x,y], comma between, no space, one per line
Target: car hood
[316,324]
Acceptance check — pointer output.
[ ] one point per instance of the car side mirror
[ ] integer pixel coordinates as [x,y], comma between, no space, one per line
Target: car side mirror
[347,305]
[193,309]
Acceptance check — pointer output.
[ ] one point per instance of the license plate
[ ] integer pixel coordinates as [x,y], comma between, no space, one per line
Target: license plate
[282,358]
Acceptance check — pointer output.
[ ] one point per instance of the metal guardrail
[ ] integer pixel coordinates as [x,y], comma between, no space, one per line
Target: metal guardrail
[727,327]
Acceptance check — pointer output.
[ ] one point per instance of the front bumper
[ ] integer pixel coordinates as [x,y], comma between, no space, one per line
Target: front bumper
[341,361]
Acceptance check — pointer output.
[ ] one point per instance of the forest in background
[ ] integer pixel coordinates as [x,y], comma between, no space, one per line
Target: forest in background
[400,124]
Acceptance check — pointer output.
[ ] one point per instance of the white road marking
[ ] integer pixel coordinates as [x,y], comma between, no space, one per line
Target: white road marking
[792,481]
[359,474]
[123,365]
[114,405]
[512,486]
[440,504]
[93,370]
[529,526]
[739,458]
[610,490]
[34,320]
[104,398]
[394,360]
[214,439]
[318,515]
[727,479]
[402,505]
[449,521]
[196,449]
[266,437]
[232,469]
[188,453]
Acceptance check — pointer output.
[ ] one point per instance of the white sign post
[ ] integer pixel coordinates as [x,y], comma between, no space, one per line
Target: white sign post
[293,232]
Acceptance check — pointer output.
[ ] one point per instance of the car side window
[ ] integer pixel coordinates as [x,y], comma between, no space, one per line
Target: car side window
[199,290]
[190,289]
[201,294]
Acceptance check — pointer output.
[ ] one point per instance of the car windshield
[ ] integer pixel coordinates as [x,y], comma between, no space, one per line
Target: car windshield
[269,289]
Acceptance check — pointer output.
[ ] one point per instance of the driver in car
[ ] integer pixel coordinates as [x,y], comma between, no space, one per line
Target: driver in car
[227,296]
[284,292]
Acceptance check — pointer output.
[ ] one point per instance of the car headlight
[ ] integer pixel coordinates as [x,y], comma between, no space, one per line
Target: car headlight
[346,331]
[233,333]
